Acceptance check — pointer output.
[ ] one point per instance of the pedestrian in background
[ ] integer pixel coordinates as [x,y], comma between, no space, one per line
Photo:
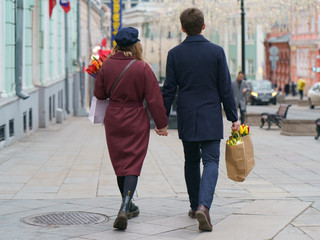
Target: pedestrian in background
[293,88]
[127,123]
[287,88]
[301,83]
[198,69]
[240,87]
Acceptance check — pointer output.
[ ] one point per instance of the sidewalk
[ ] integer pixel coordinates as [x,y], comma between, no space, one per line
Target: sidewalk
[66,168]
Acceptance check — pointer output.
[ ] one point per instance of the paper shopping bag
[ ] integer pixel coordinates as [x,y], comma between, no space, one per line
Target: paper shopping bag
[98,110]
[240,159]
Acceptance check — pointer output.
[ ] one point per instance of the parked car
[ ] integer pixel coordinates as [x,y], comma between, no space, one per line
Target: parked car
[261,92]
[314,95]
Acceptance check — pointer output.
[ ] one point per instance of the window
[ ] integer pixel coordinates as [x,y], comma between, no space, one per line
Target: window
[11,127]
[313,63]
[50,108]
[147,30]
[313,25]
[60,99]
[30,119]
[302,60]
[233,32]
[249,33]
[233,66]
[25,121]
[233,37]
[250,67]
[54,105]
[303,22]
[2,133]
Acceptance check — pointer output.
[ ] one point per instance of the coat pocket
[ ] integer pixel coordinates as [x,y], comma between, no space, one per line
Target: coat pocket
[187,122]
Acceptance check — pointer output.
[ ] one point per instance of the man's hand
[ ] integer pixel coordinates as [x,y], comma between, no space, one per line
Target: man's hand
[244,90]
[235,126]
[162,131]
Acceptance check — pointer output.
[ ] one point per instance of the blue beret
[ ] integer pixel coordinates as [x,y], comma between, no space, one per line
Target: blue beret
[127,37]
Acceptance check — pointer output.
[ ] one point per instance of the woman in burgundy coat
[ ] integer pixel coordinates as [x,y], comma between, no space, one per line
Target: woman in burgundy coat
[127,123]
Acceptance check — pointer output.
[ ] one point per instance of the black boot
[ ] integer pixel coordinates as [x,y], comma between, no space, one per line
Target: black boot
[133,210]
[121,221]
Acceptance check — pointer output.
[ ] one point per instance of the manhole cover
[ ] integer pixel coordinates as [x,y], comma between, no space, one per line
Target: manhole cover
[65,219]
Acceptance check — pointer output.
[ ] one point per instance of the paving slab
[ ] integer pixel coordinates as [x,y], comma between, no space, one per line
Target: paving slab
[249,227]
[274,208]
[258,220]
[116,235]
[73,172]
[292,233]
[313,232]
[311,217]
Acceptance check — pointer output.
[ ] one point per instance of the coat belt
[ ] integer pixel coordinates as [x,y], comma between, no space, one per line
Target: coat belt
[126,104]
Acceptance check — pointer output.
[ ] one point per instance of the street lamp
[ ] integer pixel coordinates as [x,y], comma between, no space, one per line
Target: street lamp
[243,46]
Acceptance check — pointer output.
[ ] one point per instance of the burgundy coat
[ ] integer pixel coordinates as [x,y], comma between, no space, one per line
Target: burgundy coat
[127,123]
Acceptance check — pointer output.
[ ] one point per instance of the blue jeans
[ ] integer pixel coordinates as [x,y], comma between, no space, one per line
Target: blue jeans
[201,188]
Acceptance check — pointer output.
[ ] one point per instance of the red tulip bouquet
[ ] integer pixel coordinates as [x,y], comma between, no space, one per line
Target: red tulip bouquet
[95,66]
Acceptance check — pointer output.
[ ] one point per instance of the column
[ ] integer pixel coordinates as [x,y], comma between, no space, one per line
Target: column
[44,40]
[260,52]
[9,56]
[35,45]
[2,49]
[239,51]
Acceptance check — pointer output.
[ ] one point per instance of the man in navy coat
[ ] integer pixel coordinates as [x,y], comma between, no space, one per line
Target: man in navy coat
[198,70]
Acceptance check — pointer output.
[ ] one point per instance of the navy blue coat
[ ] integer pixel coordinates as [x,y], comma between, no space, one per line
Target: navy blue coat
[198,69]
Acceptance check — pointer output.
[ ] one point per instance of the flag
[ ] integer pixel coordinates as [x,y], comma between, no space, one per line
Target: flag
[52,3]
[65,4]
[116,19]
[104,42]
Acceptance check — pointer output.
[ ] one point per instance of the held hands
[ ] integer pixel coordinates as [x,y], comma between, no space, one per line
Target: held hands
[161,131]
[235,126]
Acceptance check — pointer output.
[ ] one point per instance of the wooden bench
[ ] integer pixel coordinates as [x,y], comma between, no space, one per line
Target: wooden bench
[275,118]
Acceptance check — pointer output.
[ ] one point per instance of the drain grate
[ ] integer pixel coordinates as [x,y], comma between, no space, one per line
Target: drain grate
[69,218]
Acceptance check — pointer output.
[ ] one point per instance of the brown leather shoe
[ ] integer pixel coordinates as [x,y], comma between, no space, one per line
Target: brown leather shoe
[203,217]
[192,214]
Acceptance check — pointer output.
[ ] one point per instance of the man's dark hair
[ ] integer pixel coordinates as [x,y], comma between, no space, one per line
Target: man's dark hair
[240,72]
[192,21]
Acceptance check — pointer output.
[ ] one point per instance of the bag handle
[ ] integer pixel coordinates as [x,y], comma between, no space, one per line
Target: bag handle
[120,76]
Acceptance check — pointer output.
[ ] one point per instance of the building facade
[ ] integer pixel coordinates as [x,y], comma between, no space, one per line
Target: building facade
[280,76]
[230,40]
[40,73]
[305,47]
[157,37]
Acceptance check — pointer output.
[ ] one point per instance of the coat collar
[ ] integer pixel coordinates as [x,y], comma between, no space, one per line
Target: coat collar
[120,55]
[195,38]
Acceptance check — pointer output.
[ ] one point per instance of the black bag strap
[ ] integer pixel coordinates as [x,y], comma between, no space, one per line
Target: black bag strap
[120,76]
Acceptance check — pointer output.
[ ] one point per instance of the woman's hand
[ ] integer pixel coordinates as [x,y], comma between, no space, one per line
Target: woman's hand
[162,131]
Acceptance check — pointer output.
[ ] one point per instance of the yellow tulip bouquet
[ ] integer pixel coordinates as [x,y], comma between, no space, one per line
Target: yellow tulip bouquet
[235,137]
[239,154]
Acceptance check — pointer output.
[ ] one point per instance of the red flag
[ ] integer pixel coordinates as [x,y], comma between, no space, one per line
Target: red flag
[65,4]
[104,42]
[52,3]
